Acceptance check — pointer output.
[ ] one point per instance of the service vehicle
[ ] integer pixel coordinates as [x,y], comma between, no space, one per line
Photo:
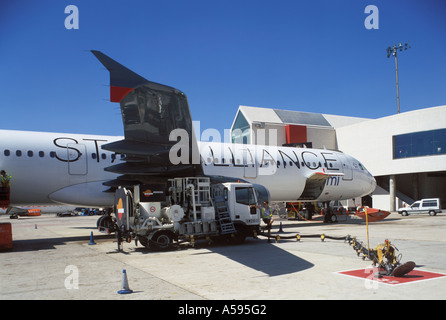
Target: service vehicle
[15,213]
[431,206]
[185,209]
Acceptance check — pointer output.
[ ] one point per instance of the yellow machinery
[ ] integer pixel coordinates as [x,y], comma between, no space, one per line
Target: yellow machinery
[385,258]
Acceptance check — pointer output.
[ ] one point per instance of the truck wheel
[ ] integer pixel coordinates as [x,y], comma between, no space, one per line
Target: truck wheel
[144,241]
[240,235]
[432,213]
[162,240]
[105,222]
[404,213]
[238,238]
[308,215]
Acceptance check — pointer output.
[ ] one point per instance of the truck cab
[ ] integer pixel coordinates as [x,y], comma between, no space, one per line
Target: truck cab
[242,199]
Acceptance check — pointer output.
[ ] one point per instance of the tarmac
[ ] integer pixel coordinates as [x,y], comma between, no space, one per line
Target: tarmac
[52,258]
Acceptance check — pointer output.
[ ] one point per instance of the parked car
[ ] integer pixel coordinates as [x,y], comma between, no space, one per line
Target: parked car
[68,213]
[431,206]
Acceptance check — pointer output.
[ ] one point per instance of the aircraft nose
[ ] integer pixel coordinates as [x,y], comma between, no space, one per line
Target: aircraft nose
[373,184]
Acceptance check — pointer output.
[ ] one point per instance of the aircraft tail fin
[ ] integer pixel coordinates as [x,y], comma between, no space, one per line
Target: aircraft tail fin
[150,113]
[122,80]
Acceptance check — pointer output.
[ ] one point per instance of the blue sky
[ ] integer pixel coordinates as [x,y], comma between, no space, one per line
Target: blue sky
[314,56]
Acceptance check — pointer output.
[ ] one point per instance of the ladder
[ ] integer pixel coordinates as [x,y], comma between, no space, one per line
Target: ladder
[223,217]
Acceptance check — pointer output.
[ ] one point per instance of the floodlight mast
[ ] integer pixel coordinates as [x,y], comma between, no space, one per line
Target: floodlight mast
[393,51]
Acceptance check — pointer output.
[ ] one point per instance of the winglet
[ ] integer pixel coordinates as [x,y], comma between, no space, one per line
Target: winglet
[122,80]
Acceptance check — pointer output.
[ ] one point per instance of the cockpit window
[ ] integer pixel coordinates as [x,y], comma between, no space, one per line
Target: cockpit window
[361,166]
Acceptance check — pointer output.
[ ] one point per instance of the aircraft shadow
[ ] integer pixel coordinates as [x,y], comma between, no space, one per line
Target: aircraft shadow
[264,257]
[255,254]
[50,243]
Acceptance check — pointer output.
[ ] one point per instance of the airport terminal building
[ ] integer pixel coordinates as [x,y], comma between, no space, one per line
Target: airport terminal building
[406,152]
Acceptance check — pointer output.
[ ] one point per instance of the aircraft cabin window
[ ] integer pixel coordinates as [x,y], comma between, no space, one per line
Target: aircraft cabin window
[7,153]
[18,153]
[104,156]
[93,156]
[52,154]
[30,153]
[41,154]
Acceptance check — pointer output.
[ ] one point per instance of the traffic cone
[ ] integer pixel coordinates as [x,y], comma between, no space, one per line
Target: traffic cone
[91,239]
[125,284]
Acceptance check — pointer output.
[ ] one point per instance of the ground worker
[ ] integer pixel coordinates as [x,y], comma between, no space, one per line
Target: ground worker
[267,216]
[6,179]
[6,184]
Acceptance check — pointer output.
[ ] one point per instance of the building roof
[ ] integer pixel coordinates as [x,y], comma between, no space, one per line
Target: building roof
[278,116]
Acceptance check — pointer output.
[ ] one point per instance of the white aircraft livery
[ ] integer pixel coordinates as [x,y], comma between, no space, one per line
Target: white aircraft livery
[159,143]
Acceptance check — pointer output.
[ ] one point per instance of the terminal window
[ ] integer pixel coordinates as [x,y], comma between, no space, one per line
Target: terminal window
[419,144]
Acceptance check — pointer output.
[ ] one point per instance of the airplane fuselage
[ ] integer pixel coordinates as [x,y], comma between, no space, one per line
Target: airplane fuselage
[285,171]
[48,168]
[56,167]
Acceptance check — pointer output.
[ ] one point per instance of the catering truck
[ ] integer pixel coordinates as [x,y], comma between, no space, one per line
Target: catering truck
[186,209]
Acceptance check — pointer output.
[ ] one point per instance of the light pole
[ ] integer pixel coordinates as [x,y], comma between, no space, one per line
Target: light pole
[393,51]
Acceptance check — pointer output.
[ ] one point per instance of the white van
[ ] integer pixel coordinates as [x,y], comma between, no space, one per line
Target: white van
[431,206]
